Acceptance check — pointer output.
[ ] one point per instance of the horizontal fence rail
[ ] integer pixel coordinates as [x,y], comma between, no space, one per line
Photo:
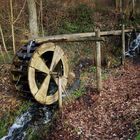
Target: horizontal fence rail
[90,36]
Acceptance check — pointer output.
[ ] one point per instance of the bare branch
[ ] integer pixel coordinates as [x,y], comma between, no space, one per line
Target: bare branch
[2,55]
[20,12]
[3,41]
[12,25]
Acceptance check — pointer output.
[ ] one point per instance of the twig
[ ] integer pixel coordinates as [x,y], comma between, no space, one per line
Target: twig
[2,55]
[20,12]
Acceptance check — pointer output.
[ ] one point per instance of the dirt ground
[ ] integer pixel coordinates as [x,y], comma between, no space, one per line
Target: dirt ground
[114,114]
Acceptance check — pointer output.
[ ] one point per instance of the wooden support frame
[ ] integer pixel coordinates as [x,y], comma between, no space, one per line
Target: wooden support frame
[98,62]
[123,44]
[60,93]
[77,37]
[93,36]
[68,38]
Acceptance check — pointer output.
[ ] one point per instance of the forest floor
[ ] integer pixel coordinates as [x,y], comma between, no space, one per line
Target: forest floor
[8,97]
[114,114]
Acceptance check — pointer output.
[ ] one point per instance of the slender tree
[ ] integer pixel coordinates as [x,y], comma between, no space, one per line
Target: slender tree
[12,25]
[41,17]
[3,41]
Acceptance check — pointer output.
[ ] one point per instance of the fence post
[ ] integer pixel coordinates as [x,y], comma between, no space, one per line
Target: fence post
[60,93]
[123,44]
[98,62]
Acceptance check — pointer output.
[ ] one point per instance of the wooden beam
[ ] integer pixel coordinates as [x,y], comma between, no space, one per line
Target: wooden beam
[60,93]
[114,32]
[98,63]
[77,37]
[68,38]
[123,44]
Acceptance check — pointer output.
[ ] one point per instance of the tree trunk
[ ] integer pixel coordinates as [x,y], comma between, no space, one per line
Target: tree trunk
[133,7]
[121,7]
[116,5]
[32,18]
[41,17]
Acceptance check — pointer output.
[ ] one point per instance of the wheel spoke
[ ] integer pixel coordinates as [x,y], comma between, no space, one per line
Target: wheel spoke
[42,93]
[58,53]
[63,82]
[38,64]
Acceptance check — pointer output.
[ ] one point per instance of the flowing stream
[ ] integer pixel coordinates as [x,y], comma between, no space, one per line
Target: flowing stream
[134,45]
[34,117]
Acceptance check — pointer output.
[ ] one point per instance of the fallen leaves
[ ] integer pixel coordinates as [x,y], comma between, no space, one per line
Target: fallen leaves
[114,114]
[9,99]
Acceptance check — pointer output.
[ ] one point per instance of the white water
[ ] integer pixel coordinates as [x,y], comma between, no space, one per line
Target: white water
[34,116]
[18,125]
[133,46]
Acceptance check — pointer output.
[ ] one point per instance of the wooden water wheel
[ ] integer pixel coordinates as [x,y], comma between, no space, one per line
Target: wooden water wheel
[40,71]
[47,64]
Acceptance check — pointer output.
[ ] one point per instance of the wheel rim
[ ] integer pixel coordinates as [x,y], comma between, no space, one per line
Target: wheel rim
[46,65]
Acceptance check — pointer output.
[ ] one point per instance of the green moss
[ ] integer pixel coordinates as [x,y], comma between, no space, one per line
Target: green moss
[92,69]
[32,134]
[79,92]
[25,105]
[138,137]
[105,74]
